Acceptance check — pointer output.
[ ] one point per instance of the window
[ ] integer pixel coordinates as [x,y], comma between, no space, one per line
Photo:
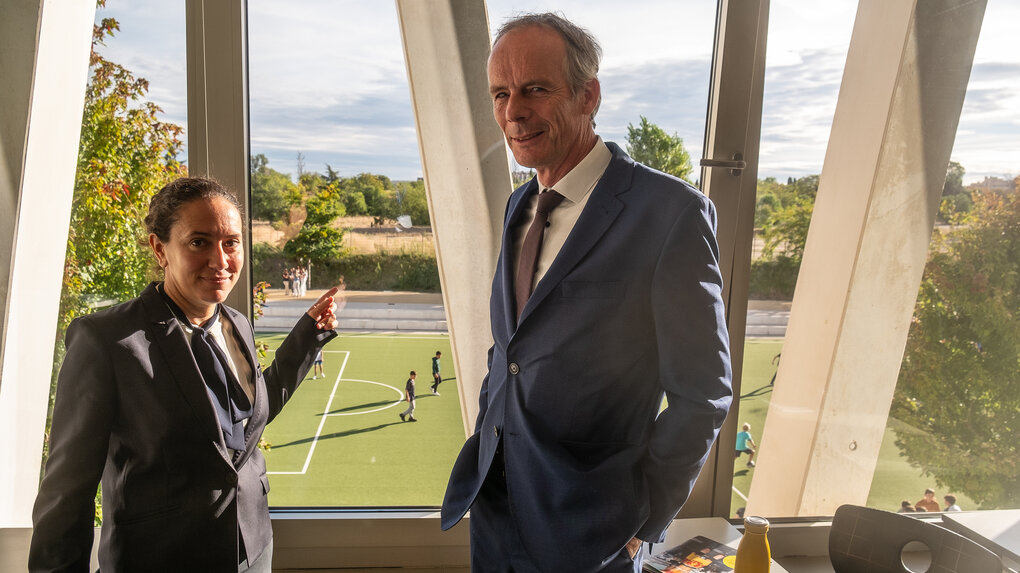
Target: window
[950,382]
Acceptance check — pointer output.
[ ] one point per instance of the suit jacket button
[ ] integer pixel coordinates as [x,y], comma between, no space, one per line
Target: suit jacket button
[231,478]
[514,368]
[495,430]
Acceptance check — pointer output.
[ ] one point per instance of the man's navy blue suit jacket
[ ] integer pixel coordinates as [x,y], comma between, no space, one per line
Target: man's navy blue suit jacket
[629,310]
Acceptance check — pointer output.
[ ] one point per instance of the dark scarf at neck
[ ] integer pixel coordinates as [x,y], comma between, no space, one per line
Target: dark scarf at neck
[228,398]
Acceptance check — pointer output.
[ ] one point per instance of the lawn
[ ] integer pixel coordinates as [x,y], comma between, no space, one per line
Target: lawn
[340,442]
[894,479]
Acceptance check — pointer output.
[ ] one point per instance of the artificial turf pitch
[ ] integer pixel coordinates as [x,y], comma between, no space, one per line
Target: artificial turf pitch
[339,441]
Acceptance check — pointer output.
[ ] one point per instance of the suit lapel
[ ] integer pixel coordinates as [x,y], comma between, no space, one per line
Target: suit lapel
[169,336]
[598,215]
[260,409]
[518,202]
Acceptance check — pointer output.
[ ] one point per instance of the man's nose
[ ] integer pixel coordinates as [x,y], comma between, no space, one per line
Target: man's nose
[516,108]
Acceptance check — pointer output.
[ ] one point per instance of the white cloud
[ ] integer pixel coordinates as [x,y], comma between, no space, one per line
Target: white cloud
[327,77]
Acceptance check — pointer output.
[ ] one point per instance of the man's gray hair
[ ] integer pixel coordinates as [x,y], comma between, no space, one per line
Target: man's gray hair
[583,51]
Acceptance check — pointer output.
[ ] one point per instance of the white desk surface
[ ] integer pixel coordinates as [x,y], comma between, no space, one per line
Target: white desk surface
[998,530]
[715,528]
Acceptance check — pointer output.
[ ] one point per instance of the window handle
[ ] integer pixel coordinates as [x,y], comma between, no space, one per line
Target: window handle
[735,165]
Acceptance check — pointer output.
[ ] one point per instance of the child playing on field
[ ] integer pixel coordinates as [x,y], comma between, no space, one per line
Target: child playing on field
[745,445]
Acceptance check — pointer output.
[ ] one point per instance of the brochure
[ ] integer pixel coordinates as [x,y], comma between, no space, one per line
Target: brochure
[696,555]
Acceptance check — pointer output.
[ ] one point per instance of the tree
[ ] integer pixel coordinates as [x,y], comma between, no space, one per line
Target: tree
[649,144]
[786,216]
[409,199]
[126,154]
[373,191]
[954,180]
[957,389]
[325,206]
[272,192]
[955,198]
[316,244]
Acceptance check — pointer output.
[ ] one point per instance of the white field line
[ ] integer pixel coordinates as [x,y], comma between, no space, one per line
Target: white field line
[740,495]
[401,336]
[399,392]
[322,422]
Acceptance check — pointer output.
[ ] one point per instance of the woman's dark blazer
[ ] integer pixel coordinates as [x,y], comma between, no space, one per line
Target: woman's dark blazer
[132,409]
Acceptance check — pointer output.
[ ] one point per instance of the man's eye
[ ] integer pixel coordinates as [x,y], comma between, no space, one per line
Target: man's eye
[233,243]
[197,242]
[499,96]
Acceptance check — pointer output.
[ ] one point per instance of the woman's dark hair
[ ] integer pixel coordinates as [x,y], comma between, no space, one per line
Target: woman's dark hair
[167,202]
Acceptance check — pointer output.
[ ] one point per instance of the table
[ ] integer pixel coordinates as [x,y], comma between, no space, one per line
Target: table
[998,530]
[715,528]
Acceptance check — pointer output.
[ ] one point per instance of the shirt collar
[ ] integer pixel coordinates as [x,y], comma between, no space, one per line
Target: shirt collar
[580,180]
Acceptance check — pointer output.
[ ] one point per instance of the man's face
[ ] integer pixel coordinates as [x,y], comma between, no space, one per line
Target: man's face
[547,127]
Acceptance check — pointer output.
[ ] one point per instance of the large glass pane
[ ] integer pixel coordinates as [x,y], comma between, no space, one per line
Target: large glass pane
[952,422]
[338,197]
[132,143]
[332,133]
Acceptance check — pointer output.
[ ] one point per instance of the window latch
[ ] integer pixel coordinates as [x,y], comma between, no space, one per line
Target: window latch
[735,165]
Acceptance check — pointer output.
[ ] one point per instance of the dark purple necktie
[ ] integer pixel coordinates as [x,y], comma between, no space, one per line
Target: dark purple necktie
[547,201]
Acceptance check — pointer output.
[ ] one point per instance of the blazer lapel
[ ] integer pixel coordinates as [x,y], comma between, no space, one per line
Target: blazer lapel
[598,215]
[518,202]
[169,336]
[260,408]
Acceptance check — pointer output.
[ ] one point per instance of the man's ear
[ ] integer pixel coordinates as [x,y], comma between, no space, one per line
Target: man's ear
[158,249]
[592,95]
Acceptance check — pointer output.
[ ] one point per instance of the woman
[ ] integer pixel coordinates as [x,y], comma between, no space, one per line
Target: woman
[163,399]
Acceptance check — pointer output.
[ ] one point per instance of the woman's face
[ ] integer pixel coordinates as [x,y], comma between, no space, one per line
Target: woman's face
[203,258]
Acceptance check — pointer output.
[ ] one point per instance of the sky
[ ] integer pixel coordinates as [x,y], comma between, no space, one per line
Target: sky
[327,78]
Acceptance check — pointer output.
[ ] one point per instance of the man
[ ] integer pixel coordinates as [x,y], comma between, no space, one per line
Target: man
[436,377]
[408,414]
[928,503]
[950,500]
[571,465]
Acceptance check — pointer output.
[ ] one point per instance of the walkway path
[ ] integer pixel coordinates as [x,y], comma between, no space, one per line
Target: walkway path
[402,311]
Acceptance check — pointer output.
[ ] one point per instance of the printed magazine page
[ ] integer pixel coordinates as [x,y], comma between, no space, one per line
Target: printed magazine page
[696,555]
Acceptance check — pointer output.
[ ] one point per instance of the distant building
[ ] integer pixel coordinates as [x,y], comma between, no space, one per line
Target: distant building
[997,184]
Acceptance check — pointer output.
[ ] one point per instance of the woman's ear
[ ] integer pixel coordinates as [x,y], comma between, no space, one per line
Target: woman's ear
[158,249]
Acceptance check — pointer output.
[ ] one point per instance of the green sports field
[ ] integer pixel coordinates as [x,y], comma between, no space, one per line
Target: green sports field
[340,442]
[894,480]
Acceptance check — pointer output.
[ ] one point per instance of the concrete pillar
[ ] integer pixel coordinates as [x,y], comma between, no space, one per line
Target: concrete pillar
[44,56]
[903,87]
[217,32]
[467,175]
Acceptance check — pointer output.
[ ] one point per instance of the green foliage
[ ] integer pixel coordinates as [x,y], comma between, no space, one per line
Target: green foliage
[272,192]
[773,279]
[954,180]
[958,382]
[377,271]
[651,145]
[784,214]
[956,199]
[409,199]
[316,244]
[126,154]
[953,207]
[325,206]
[372,189]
